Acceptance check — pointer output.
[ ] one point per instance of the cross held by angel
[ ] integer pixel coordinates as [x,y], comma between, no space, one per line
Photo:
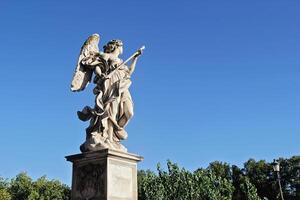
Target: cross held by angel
[113,103]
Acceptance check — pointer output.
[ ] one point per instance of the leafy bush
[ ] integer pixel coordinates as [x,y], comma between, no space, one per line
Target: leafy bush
[22,187]
[220,181]
[180,184]
[4,194]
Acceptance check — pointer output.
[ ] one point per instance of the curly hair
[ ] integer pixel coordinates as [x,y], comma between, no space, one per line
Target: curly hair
[112,45]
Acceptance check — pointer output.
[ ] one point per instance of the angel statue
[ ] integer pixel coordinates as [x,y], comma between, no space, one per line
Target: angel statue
[113,103]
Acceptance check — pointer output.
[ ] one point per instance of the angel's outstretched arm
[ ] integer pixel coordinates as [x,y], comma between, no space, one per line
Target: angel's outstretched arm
[132,65]
[134,59]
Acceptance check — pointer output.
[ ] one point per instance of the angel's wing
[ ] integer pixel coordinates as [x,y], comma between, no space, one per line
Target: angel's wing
[82,75]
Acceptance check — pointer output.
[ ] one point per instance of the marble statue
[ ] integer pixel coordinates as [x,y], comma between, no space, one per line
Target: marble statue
[113,103]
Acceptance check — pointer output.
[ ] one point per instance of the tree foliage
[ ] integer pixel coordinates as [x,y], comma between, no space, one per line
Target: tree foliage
[180,184]
[261,174]
[4,194]
[219,181]
[22,187]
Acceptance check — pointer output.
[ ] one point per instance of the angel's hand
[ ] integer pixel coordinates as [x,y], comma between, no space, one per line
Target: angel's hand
[138,53]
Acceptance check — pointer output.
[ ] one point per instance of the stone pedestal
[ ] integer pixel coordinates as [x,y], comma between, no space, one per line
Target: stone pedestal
[104,175]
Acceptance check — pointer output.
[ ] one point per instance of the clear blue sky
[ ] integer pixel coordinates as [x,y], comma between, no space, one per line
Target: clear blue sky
[219,80]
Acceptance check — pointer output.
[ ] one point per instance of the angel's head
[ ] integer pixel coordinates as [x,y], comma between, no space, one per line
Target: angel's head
[113,46]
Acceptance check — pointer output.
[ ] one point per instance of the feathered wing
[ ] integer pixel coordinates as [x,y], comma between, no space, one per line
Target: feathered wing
[83,75]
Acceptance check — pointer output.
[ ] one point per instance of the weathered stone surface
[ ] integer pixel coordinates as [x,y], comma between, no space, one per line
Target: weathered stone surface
[113,107]
[104,175]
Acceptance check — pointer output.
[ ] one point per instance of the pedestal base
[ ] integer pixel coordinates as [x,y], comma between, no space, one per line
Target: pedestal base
[104,175]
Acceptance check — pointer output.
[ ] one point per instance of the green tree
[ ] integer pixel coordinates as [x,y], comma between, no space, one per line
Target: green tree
[4,186]
[4,194]
[149,186]
[21,187]
[221,169]
[249,190]
[24,188]
[260,173]
[172,181]
[237,179]
[211,187]
[262,176]
[290,177]
[44,189]
[176,183]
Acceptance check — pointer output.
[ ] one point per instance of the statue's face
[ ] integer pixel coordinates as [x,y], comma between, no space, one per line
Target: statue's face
[120,49]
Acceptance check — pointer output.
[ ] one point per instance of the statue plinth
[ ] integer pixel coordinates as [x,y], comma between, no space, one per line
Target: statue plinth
[104,175]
